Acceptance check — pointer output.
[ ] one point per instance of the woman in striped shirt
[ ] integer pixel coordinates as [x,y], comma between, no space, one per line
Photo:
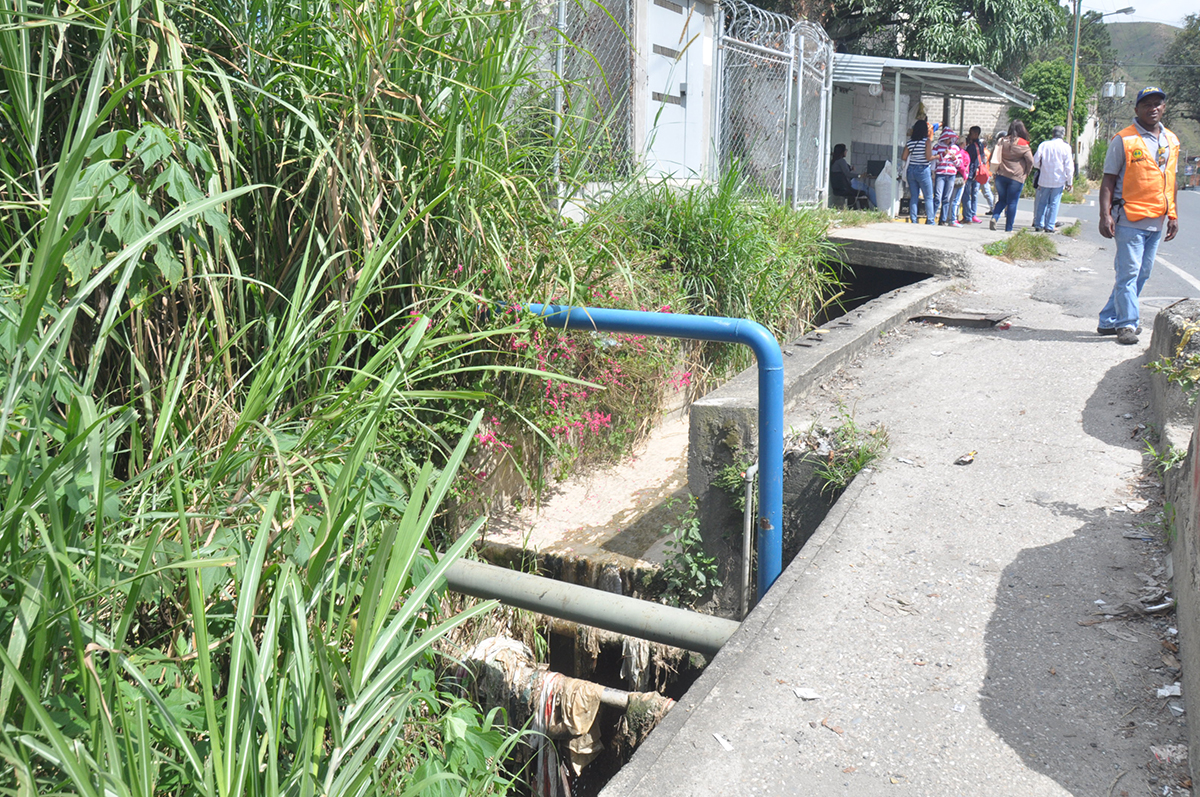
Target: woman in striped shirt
[918,154]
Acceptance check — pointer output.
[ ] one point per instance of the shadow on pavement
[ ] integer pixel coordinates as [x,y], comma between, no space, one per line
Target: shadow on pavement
[1061,694]
[1022,334]
[1123,385]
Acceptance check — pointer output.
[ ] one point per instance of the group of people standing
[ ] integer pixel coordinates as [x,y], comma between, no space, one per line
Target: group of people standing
[1137,193]
[951,174]
[940,172]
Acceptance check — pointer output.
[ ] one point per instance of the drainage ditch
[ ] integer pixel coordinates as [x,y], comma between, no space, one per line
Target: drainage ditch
[657,673]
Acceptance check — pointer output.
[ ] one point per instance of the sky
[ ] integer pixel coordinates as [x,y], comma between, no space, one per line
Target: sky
[1171,12]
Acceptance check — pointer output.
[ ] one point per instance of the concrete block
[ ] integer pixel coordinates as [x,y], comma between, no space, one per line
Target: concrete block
[1167,401]
[1178,424]
[723,427]
[914,256]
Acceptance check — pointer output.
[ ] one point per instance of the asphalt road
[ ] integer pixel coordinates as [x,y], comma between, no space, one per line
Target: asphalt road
[1176,270]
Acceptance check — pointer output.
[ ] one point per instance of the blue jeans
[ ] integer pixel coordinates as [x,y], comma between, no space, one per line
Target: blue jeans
[920,178]
[986,190]
[956,202]
[1135,259]
[970,200]
[867,188]
[1008,191]
[1045,208]
[943,189]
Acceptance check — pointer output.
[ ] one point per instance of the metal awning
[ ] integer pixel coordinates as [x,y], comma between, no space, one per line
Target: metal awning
[954,80]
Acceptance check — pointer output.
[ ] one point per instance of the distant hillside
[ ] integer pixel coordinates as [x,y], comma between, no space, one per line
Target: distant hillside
[1138,46]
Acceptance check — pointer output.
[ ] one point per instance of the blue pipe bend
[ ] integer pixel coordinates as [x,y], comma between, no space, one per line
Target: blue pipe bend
[770,397]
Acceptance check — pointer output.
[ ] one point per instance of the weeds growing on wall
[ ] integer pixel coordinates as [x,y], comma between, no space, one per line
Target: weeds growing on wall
[727,254]
[1183,369]
[843,450]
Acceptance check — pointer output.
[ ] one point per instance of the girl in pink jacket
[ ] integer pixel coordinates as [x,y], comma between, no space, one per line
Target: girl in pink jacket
[949,157]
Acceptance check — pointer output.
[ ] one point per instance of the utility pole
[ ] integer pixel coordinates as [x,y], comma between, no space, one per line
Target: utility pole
[1071,98]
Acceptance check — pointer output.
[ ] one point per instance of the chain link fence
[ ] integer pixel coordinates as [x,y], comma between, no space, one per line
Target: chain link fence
[593,56]
[771,81]
[773,76]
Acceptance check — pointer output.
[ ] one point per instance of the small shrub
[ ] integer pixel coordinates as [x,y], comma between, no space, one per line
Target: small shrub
[1095,164]
[1078,192]
[690,574]
[1184,368]
[1073,231]
[846,449]
[1026,245]
[732,479]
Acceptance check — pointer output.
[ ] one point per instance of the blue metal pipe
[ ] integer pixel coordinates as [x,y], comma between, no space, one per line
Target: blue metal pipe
[770,397]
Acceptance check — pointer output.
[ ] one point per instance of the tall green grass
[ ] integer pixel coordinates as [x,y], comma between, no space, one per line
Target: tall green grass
[243,250]
[223,232]
[728,252]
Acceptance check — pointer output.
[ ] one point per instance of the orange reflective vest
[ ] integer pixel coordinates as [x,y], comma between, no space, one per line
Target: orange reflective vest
[1148,191]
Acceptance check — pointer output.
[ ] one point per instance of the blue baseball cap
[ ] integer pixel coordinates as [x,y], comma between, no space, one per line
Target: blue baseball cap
[1150,91]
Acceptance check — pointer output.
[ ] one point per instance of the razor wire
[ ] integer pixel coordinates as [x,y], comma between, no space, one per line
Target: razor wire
[774,77]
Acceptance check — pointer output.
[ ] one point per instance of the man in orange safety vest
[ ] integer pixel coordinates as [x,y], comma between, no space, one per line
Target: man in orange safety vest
[1137,208]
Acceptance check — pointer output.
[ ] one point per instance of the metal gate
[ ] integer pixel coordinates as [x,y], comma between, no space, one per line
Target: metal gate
[774,77]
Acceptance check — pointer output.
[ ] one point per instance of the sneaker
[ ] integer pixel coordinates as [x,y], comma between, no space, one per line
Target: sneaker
[1113,330]
[956,224]
[992,225]
[1127,336]
[976,220]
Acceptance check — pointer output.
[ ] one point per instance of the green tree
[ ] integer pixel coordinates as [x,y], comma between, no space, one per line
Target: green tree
[1051,82]
[1179,71]
[1097,57]
[999,34]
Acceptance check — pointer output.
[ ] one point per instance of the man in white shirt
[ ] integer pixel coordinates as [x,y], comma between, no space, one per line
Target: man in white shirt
[1057,169]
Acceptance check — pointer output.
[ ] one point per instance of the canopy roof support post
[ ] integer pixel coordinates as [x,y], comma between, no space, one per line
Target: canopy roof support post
[896,149]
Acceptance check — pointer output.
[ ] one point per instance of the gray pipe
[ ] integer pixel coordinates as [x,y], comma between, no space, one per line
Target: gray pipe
[747,536]
[702,633]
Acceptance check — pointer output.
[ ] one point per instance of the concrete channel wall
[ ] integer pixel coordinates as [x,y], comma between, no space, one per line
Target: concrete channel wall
[723,424]
[1178,424]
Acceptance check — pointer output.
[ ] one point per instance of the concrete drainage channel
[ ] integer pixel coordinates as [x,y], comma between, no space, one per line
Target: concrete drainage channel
[615,657]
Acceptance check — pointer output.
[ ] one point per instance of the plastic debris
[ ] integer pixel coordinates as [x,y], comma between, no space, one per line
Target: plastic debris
[1170,690]
[562,710]
[635,663]
[966,459]
[806,694]
[960,708]
[1170,753]
[723,742]
[1177,709]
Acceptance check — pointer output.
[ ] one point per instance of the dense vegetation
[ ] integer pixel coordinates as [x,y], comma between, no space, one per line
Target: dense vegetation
[247,340]
[1179,70]
[999,34]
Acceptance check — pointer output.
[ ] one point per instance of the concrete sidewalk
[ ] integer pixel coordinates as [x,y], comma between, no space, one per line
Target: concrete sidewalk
[946,615]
